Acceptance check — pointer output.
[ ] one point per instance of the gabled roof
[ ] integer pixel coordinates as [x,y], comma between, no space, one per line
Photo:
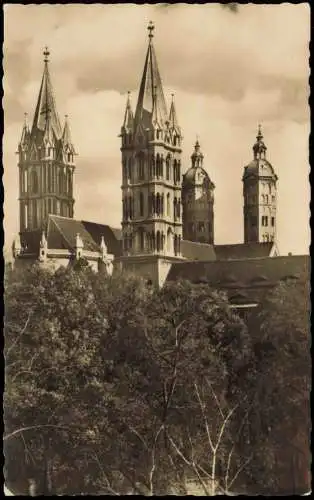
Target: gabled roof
[197,251]
[250,277]
[243,251]
[62,233]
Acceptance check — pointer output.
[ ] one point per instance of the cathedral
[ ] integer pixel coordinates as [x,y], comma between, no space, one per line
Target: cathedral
[167,208]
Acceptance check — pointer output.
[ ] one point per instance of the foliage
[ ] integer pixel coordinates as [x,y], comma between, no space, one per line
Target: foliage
[114,387]
[281,386]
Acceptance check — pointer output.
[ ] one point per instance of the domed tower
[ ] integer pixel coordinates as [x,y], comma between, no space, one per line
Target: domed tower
[260,196]
[46,167]
[198,201]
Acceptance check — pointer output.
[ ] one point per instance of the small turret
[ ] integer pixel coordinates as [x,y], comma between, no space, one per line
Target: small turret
[259,148]
[79,245]
[43,247]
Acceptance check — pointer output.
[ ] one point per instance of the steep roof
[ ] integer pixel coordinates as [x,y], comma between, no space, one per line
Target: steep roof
[243,251]
[151,99]
[197,251]
[245,281]
[45,107]
[111,236]
[62,233]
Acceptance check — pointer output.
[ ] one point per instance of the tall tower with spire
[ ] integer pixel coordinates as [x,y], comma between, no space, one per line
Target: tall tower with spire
[260,196]
[46,166]
[198,201]
[151,169]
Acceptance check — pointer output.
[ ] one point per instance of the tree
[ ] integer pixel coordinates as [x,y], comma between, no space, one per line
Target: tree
[281,387]
[101,378]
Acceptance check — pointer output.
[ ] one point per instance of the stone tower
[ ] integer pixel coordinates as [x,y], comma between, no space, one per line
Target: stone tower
[151,169]
[198,201]
[46,166]
[260,196]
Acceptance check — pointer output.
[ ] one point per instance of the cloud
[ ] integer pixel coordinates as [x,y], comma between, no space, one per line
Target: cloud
[229,68]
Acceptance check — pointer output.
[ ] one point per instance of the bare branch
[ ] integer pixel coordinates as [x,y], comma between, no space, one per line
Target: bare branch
[20,335]
[240,469]
[204,417]
[33,427]
[215,397]
[222,429]
[139,436]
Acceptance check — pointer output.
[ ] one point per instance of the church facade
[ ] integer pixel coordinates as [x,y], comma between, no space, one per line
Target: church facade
[167,209]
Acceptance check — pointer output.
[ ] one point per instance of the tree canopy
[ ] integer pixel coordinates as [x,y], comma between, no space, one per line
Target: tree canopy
[113,386]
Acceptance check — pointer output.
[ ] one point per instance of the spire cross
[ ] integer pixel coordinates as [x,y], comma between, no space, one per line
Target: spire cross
[46,54]
[150,28]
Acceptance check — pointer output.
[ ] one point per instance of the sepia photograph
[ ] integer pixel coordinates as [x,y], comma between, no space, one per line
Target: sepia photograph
[157,306]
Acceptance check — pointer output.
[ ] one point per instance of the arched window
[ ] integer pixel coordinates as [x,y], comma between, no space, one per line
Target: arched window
[152,167]
[130,207]
[178,208]
[168,168]
[175,171]
[60,179]
[141,166]
[162,204]
[179,171]
[153,241]
[161,166]
[175,244]
[153,204]
[157,165]
[141,238]
[34,182]
[169,240]
[141,204]
[158,241]
[175,208]
[158,207]
[130,164]
[26,216]
[25,181]
[168,204]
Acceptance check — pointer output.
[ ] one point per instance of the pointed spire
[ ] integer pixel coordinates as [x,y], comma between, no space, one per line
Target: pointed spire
[259,148]
[103,246]
[173,120]
[151,96]
[48,138]
[46,106]
[43,241]
[25,136]
[66,137]
[128,116]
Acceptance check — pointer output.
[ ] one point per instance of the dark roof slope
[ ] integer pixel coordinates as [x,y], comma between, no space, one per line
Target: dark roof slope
[68,229]
[111,236]
[243,251]
[197,251]
[251,277]
[62,233]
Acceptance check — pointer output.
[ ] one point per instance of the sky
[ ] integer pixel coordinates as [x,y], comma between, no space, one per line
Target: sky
[230,68]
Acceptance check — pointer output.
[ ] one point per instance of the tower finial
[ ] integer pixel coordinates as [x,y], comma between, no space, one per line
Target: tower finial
[46,54]
[25,118]
[259,132]
[150,29]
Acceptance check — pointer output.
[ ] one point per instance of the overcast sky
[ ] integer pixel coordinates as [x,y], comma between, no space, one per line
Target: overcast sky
[229,69]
